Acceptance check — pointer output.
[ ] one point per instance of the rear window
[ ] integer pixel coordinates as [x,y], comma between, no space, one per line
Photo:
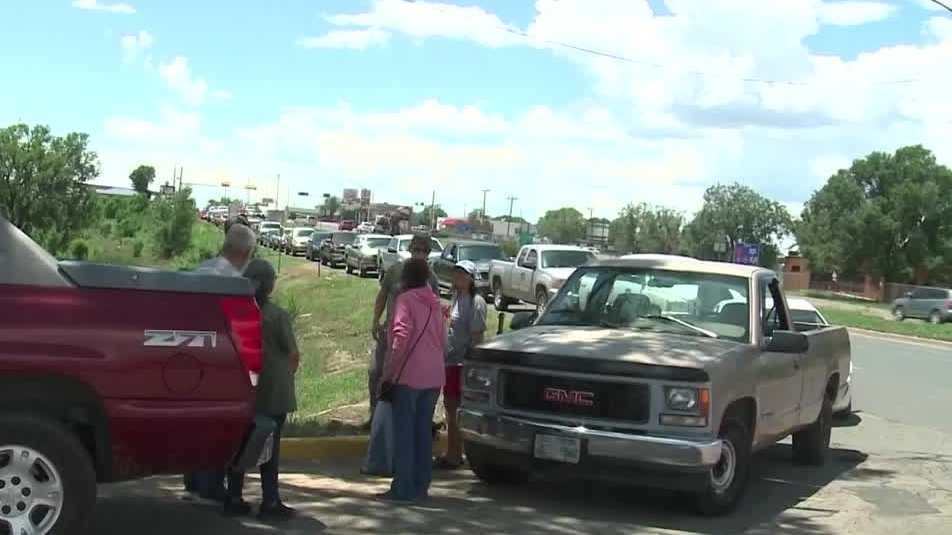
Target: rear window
[345,237]
[805,316]
[480,253]
[304,233]
[377,243]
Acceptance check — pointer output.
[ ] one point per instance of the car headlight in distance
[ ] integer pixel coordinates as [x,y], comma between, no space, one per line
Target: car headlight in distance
[681,398]
[478,377]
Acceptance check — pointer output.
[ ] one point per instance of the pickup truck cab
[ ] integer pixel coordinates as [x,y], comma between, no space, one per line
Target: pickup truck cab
[536,275]
[478,252]
[633,374]
[398,250]
[110,373]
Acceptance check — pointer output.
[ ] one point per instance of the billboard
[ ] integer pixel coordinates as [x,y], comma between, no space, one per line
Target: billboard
[350,196]
[365,196]
[747,253]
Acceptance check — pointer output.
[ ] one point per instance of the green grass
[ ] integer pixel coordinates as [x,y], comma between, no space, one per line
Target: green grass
[917,328]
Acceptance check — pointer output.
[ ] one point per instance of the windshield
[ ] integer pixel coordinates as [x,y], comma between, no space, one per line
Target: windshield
[805,316]
[304,233]
[345,237]
[480,253]
[566,259]
[435,245]
[636,298]
[377,243]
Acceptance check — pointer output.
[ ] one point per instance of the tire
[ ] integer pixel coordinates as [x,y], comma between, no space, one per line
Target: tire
[935,317]
[489,473]
[347,268]
[57,455]
[361,272]
[845,412]
[542,299]
[499,300]
[727,480]
[381,274]
[812,445]
[899,314]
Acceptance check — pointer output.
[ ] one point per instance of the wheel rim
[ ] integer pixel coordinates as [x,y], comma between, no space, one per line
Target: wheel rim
[31,491]
[541,300]
[898,314]
[934,318]
[497,297]
[722,474]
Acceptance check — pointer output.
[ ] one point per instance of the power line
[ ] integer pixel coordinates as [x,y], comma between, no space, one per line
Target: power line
[947,8]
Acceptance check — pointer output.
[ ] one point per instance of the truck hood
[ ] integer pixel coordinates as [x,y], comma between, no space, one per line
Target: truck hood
[629,346]
[560,273]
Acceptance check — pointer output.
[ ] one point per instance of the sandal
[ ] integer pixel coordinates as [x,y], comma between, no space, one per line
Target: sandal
[442,463]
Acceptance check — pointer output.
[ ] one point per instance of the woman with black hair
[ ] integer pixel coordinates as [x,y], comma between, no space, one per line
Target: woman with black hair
[467,318]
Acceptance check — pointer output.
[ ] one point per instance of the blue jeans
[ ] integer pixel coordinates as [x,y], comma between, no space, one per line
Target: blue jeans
[413,441]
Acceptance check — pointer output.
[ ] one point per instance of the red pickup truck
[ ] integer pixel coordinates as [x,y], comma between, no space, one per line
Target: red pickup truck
[110,373]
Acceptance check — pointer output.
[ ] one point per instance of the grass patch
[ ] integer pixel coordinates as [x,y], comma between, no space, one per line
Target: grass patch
[840,297]
[920,329]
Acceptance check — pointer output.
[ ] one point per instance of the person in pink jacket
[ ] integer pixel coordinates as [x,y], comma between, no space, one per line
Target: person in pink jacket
[415,371]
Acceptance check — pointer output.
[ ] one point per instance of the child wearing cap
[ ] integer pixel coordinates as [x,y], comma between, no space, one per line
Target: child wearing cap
[467,324]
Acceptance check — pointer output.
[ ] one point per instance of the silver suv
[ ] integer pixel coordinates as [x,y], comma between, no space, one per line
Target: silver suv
[933,304]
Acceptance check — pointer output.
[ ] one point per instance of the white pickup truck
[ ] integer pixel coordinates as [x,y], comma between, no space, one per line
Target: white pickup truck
[538,272]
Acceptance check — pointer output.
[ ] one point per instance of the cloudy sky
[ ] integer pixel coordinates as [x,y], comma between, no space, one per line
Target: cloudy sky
[584,103]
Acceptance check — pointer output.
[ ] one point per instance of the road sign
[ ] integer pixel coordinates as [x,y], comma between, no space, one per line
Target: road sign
[747,253]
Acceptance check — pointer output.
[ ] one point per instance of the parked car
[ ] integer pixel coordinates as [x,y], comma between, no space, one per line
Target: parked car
[366,228]
[297,242]
[266,236]
[398,250]
[333,249]
[347,225]
[361,256]
[538,272]
[610,384]
[111,373]
[268,225]
[479,252]
[282,241]
[314,245]
[933,304]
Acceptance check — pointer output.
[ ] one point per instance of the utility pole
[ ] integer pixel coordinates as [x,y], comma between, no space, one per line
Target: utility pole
[591,226]
[512,201]
[433,212]
[277,192]
[485,191]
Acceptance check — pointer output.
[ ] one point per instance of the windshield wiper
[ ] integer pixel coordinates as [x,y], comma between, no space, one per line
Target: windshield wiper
[672,319]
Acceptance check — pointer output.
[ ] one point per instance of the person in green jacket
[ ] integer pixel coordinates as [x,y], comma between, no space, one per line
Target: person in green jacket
[275,393]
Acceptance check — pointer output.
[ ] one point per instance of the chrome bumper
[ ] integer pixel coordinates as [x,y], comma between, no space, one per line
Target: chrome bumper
[517,435]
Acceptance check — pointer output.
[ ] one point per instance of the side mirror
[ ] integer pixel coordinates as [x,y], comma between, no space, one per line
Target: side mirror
[521,320]
[908,294]
[392,250]
[788,342]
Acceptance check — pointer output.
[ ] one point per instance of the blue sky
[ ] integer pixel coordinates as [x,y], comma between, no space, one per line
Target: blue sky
[409,97]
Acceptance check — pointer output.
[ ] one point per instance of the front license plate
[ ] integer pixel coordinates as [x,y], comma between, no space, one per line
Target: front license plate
[556,448]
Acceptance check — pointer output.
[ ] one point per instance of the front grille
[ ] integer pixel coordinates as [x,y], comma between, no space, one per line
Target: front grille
[587,398]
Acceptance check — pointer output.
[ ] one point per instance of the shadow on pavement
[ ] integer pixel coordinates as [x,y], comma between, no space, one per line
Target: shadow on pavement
[852,419]
[344,500]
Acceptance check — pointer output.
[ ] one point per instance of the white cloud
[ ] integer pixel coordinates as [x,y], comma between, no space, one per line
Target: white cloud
[423,19]
[178,77]
[221,93]
[854,13]
[94,5]
[352,39]
[135,44]
[939,27]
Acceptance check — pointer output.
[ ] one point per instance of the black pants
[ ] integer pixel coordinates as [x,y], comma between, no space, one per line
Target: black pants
[269,471]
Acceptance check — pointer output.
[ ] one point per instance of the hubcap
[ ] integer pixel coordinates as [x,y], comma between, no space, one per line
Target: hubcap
[722,475]
[31,491]
[898,313]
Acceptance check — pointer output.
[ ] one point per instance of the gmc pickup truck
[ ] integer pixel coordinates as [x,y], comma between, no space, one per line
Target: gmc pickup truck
[111,373]
[538,272]
[652,371]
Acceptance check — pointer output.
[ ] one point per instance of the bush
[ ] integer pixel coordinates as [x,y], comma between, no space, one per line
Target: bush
[173,221]
[510,247]
[79,250]
[137,247]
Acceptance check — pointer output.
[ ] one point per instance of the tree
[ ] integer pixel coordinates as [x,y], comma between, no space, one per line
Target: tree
[142,177]
[172,224]
[888,215]
[43,183]
[426,216]
[645,229]
[565,225]
[331,206]
[734,214]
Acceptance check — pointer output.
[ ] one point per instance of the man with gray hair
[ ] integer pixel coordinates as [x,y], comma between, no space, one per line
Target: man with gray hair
[236,252]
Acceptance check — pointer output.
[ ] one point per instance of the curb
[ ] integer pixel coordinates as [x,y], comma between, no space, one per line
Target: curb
[901,337]
[346,447]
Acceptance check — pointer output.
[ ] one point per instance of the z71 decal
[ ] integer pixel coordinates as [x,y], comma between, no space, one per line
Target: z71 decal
[181,339]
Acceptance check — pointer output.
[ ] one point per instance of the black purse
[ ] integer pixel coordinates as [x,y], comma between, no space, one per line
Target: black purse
[386,388]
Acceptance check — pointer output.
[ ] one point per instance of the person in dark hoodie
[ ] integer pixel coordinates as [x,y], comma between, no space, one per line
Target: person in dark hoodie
[274,396]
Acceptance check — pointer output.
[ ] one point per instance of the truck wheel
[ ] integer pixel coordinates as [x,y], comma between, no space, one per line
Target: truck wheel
[47,481]
[542,298]
[899,314]
[812,445]
[727,480]
[347,268]
[499,300]
[381,274]
[492,474]
[935,318]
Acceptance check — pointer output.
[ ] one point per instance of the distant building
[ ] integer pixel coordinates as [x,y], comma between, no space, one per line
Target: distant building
[350,196]
[112,190]
[597,233]
[503,231]
[365,197]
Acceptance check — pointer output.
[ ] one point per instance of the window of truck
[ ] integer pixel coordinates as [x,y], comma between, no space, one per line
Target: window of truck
[647,299]
[480,253]
[565,259]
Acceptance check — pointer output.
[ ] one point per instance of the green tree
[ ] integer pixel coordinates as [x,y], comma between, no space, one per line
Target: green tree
[733,214]
[331,206]
[142,178]
[888,215]
[172,222]
[565,225]
[642,228]
[426,215]
[43,180]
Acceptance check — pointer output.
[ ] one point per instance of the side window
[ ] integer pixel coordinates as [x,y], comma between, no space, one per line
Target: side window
[532,260]
[450,253]
[774,317]
[521,261]
[918,294]
[392,244]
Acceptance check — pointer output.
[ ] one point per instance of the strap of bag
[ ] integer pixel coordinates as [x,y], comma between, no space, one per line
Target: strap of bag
[413,347]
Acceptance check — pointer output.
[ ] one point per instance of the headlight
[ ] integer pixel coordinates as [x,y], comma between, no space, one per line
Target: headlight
[557,284]
[681,399]
[479,378]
